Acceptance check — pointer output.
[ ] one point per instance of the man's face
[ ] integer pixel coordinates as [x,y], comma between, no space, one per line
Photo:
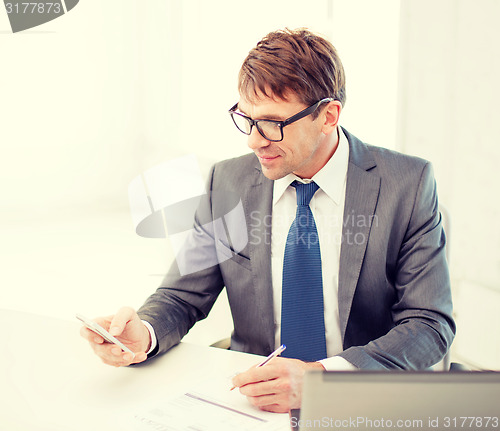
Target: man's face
[304,149]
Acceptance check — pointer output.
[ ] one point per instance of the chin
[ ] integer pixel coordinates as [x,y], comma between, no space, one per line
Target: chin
[273,174]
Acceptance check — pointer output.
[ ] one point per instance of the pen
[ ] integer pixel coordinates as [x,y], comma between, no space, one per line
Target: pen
[277,352]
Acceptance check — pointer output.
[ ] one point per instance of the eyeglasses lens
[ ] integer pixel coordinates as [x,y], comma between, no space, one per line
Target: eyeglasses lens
[241,123]
[270,130]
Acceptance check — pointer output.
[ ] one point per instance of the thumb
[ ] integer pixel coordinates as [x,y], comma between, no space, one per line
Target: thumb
[120,320]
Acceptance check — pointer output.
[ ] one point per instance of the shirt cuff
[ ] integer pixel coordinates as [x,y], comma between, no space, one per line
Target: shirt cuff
[152,335]
[337,363]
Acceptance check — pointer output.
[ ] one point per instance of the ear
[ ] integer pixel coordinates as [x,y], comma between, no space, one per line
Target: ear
[331,116]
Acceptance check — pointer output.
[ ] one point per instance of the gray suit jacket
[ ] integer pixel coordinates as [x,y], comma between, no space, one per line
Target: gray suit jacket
[394,289]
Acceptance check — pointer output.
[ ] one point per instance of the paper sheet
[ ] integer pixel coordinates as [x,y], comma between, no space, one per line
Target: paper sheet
[209,406]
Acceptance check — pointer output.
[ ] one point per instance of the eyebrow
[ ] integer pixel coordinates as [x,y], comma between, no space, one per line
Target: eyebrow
[272,117]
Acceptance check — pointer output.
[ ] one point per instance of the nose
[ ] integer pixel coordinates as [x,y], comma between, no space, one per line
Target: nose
[256,140]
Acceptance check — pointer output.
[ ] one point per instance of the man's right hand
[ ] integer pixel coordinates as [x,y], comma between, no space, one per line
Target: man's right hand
[127,327]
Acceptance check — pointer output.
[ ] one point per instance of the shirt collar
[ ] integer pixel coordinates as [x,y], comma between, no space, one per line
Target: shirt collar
[330,178]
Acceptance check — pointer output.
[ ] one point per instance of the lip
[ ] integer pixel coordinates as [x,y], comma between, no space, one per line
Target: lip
[267,158]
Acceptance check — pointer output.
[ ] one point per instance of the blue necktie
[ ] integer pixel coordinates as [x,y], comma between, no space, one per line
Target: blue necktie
[302,311]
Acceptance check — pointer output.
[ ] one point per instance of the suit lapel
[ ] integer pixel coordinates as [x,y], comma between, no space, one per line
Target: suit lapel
[362,191]
[258,204]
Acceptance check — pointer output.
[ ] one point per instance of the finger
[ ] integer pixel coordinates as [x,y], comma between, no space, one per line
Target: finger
[120,320]
[115,362]
[245,378]
[255,375]
[259,389]
[91,336]
[125,359]
[139,357]
[113,355]
[263,401]
[115,350]
[277,403]
[275,408]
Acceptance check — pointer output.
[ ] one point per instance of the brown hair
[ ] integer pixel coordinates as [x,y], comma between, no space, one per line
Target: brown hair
[295,61]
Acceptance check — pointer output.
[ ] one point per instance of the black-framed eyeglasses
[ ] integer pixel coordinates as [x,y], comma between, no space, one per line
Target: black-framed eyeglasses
[271,130]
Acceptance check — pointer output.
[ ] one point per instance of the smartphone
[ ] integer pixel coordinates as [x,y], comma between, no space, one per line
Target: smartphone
[98,329]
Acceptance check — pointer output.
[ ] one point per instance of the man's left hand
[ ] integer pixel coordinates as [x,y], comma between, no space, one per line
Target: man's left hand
[277,386]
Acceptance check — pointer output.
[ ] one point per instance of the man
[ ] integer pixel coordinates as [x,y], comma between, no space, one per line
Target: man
[350,270]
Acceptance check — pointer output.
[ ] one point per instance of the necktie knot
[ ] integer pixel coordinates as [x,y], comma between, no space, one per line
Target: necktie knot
[305,192]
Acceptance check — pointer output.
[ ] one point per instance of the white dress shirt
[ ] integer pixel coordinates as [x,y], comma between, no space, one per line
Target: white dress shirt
[327,206]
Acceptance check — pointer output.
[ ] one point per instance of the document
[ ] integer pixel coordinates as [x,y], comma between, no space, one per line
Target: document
[209,406]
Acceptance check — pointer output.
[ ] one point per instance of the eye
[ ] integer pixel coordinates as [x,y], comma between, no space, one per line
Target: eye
[270,125]
[271,129]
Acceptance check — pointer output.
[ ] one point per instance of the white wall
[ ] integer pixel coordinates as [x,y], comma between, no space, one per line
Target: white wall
[92,99]
[68,96]
[366,33]
[448,114]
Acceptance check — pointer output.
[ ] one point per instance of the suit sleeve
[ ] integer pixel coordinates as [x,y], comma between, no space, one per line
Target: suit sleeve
[422,313]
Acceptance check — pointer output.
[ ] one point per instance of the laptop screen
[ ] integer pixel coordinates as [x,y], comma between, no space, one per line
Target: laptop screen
[399,400]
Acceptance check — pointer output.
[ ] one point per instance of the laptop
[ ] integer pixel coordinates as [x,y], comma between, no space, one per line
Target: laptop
[399,400]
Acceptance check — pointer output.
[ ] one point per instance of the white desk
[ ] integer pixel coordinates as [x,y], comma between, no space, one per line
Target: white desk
[51,380]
